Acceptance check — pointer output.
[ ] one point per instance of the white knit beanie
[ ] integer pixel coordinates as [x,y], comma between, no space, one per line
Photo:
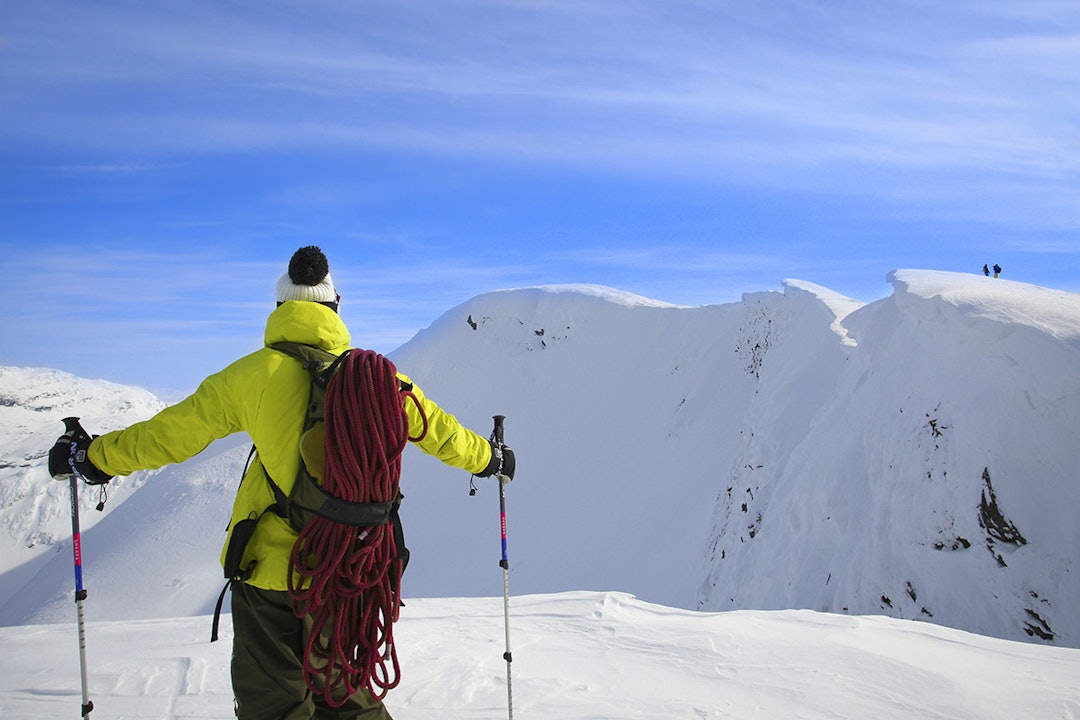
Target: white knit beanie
[308,278]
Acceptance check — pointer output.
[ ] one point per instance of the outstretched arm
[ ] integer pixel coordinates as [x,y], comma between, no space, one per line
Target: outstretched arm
[449,440]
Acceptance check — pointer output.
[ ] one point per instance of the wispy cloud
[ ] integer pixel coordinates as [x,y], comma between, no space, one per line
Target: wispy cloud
[123,313]
[165,161]
[129,310]
[706,88]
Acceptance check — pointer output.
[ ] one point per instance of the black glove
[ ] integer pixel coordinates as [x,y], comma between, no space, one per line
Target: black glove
[509,463]
[69,453]
[502,462]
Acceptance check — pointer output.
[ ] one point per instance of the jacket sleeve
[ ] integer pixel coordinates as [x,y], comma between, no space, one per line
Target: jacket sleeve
[446,438]
[175,434]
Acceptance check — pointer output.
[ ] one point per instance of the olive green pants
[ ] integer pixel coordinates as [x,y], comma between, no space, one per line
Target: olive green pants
[267,664]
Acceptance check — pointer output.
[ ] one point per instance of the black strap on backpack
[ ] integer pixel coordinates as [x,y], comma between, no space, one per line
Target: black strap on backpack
[234,555]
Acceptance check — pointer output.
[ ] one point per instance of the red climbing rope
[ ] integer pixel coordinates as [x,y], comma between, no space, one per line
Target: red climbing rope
[346,578]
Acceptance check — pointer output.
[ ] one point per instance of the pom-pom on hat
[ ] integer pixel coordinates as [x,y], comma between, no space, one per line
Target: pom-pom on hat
[308,278]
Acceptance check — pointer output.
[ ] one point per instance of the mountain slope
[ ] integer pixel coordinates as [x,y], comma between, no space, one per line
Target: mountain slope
[912,457]
[35,511]
[937,480]
[796,449]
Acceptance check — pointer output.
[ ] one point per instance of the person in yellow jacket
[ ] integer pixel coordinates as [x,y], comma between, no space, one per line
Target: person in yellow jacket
[264,394]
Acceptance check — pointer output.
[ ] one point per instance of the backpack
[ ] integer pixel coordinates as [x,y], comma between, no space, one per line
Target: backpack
[307,499]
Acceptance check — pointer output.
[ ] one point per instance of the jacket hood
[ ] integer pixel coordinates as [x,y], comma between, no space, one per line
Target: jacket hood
[309,323]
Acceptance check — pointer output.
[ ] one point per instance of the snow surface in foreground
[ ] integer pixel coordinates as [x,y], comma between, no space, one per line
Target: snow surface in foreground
[579,655]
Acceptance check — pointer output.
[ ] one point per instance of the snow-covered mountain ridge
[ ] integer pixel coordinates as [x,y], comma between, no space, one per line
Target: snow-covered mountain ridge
[35,510]
[912,457]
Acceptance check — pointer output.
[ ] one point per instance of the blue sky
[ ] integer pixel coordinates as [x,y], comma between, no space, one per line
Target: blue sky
[162,160]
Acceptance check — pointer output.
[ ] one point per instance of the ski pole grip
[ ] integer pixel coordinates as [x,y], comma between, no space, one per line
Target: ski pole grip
[498,431]
[60,455]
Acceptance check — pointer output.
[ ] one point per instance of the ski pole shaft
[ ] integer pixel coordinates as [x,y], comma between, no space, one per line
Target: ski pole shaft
[497,434]
[504,563]
[80,595]
[71,424]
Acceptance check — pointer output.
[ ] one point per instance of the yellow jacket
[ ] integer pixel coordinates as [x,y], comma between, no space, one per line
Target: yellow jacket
[264,394]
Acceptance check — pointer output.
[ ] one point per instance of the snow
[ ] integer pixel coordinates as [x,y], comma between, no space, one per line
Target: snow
[1005,301]
[778,507]
[839,305]
[581,655]
[35,509]
[604,293]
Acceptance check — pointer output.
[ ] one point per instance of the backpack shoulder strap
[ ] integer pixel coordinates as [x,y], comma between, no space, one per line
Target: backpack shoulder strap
[320,365]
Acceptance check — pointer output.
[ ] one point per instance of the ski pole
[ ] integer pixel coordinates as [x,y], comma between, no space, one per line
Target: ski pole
[504,563]
[72,427]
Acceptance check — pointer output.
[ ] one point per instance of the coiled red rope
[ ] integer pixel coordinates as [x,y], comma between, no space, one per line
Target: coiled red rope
[347,578]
